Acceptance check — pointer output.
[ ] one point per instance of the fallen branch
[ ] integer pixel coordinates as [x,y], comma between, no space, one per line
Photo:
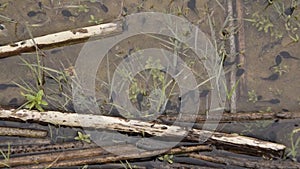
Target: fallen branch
[20,132]
[24,141]
[232,54]
[252,145]
[230,117]
[128,155]
[50,157]
[241,47]
[65,37]
[247,163]
[33,148]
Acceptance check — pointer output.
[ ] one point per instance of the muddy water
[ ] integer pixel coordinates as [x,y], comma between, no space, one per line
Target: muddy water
[270,90]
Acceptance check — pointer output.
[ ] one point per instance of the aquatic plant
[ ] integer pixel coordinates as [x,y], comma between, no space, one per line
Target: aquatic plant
[95,20]
[252,96]
[127,165]
[83,137]
[167,158]
[263,23]
[35,101]
[293,150]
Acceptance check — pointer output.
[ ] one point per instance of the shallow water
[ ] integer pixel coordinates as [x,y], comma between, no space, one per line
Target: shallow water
[264,55]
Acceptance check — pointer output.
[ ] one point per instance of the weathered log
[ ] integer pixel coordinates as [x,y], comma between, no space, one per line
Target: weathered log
[22,132]
[65,37]
[129,154]
[247,163]
[252,145]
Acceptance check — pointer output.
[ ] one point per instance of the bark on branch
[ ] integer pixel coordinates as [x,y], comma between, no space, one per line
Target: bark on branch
[65,37]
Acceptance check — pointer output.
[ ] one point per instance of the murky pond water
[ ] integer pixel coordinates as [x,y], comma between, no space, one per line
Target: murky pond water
[266,71]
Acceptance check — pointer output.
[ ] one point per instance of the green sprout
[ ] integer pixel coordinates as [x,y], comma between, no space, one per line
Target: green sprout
[35,101]
[263,23]
[167,158]
[83,8]
[252,96]
[281,69]
[229,93]
[6,156]
[292,151]
[83,137]
[94,20]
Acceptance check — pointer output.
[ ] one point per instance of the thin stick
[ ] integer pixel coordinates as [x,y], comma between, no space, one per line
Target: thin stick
[232,56]
[130,155]
[246,162]
[36,148]
[230,117]
[21,132]
[60,38]
[241,47]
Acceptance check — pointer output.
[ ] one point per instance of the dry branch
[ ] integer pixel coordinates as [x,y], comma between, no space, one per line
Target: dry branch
[21,132]
[252,145]
[241,46]
[50,157]
[60,38]
[230,117]
[232,54]
[34,148]
[129,154]
[24,141]
[246,162]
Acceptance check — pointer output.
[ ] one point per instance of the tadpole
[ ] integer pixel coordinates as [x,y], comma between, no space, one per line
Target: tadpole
[139,98]
[289,11]
[104,7]
[278,60]
[192,6]
[272,101]
[287,55]
[66,13]
[31,13]
[239,72]
[272,77]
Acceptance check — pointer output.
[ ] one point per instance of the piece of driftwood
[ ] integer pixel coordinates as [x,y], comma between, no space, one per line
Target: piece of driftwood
[22,132]
[129,154]
[246,163]
[231,117]
[252,145]
[60,38]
